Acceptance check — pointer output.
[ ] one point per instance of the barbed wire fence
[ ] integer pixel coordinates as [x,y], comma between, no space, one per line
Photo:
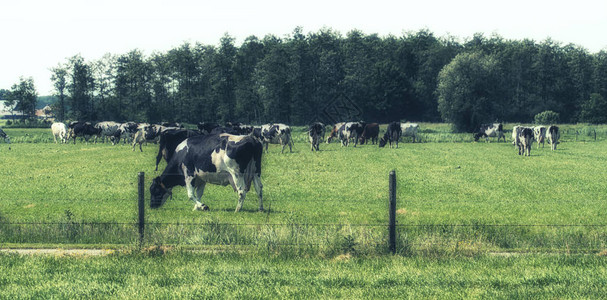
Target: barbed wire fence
[386,237]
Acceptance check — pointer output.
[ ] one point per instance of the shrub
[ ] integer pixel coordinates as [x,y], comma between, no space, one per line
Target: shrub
[547,117]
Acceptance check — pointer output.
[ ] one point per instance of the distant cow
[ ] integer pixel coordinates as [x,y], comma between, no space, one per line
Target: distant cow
[220,159]
[126,131]
[59,130]
[277,134]
[350,130]
[490,130]
[525,138]
[409,129]
[335,131]
[108,129]
[539,134]
[371,131]
[553,136]
[169,139]
[515,135]
[82,129]
[316,133]
[207,127]
[392,135]
[5,137]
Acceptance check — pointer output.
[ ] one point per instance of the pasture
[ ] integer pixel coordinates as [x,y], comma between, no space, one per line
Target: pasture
[454,196]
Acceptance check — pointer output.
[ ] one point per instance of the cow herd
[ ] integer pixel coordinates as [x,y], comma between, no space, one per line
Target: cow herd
[522,137]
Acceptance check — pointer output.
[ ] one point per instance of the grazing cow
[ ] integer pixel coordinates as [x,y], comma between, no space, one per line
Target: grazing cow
[371,131]
[539,134]
[515,132]
[335,131]
[553,136]
[82,129]
[277,134]
[490,130]
[221,159]
[207,127]
[59,130]
[525,138]
[392,135]
[5,137]
[409,129]
[316,133]
[169,140]
[108,129]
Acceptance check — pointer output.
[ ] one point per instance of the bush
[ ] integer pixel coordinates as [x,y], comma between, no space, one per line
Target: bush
[547,117]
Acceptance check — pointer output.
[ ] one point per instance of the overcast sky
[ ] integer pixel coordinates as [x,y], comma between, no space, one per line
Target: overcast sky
[37,35]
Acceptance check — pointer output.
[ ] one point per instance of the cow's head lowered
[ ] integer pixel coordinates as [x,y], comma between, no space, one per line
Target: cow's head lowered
[159,193]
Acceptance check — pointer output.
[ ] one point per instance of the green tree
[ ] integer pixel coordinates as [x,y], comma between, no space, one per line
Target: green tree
[594,110]
[24,96]
[547,117]
[59,79]
[468,91]
[80,89]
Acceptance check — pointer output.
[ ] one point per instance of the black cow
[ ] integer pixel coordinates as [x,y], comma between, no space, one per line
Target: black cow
[207,127]
[220,159]
[169,140]
[82,129]
[316,133]
[553,136]
[392,135]
[5,137]
[371,131]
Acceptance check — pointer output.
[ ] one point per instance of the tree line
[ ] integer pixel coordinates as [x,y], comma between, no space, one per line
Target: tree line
[299,79]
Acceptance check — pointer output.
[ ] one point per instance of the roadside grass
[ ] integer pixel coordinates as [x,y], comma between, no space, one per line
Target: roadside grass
[154,275]
[453,197]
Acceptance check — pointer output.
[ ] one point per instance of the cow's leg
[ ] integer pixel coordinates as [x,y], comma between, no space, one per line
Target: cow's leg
[259,190]
[195,192]
[240,186]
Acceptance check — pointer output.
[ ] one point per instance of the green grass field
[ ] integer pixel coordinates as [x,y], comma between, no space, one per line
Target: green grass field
[221,276]
[452,196]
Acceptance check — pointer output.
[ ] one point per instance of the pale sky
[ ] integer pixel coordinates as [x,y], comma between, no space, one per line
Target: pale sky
[37,35]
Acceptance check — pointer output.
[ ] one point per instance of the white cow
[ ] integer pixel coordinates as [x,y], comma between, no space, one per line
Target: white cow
[539,134]
[59,130]
[409,129]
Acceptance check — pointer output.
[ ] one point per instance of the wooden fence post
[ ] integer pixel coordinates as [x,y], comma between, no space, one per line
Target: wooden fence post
[392,222]
[141,194]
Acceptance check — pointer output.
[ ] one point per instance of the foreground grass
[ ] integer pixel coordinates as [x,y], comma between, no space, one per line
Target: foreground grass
[182,275]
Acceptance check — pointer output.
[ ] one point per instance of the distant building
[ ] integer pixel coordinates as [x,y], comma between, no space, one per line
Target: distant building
[5,112]
[44,113]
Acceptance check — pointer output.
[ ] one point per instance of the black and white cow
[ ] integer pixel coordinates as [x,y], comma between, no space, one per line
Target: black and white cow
[316,133]
[350,130]
[371,131]
[490,130]
[516,130]
[59,130]
[335,131]
[82,129]
[525,139]
[221,159]
[6,138]
[277,134]
[553,136]
[108,129]
[169,140]
[392,134]
[539,134]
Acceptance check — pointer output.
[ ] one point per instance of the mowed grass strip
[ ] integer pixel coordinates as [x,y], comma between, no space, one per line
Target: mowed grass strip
[212,276]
